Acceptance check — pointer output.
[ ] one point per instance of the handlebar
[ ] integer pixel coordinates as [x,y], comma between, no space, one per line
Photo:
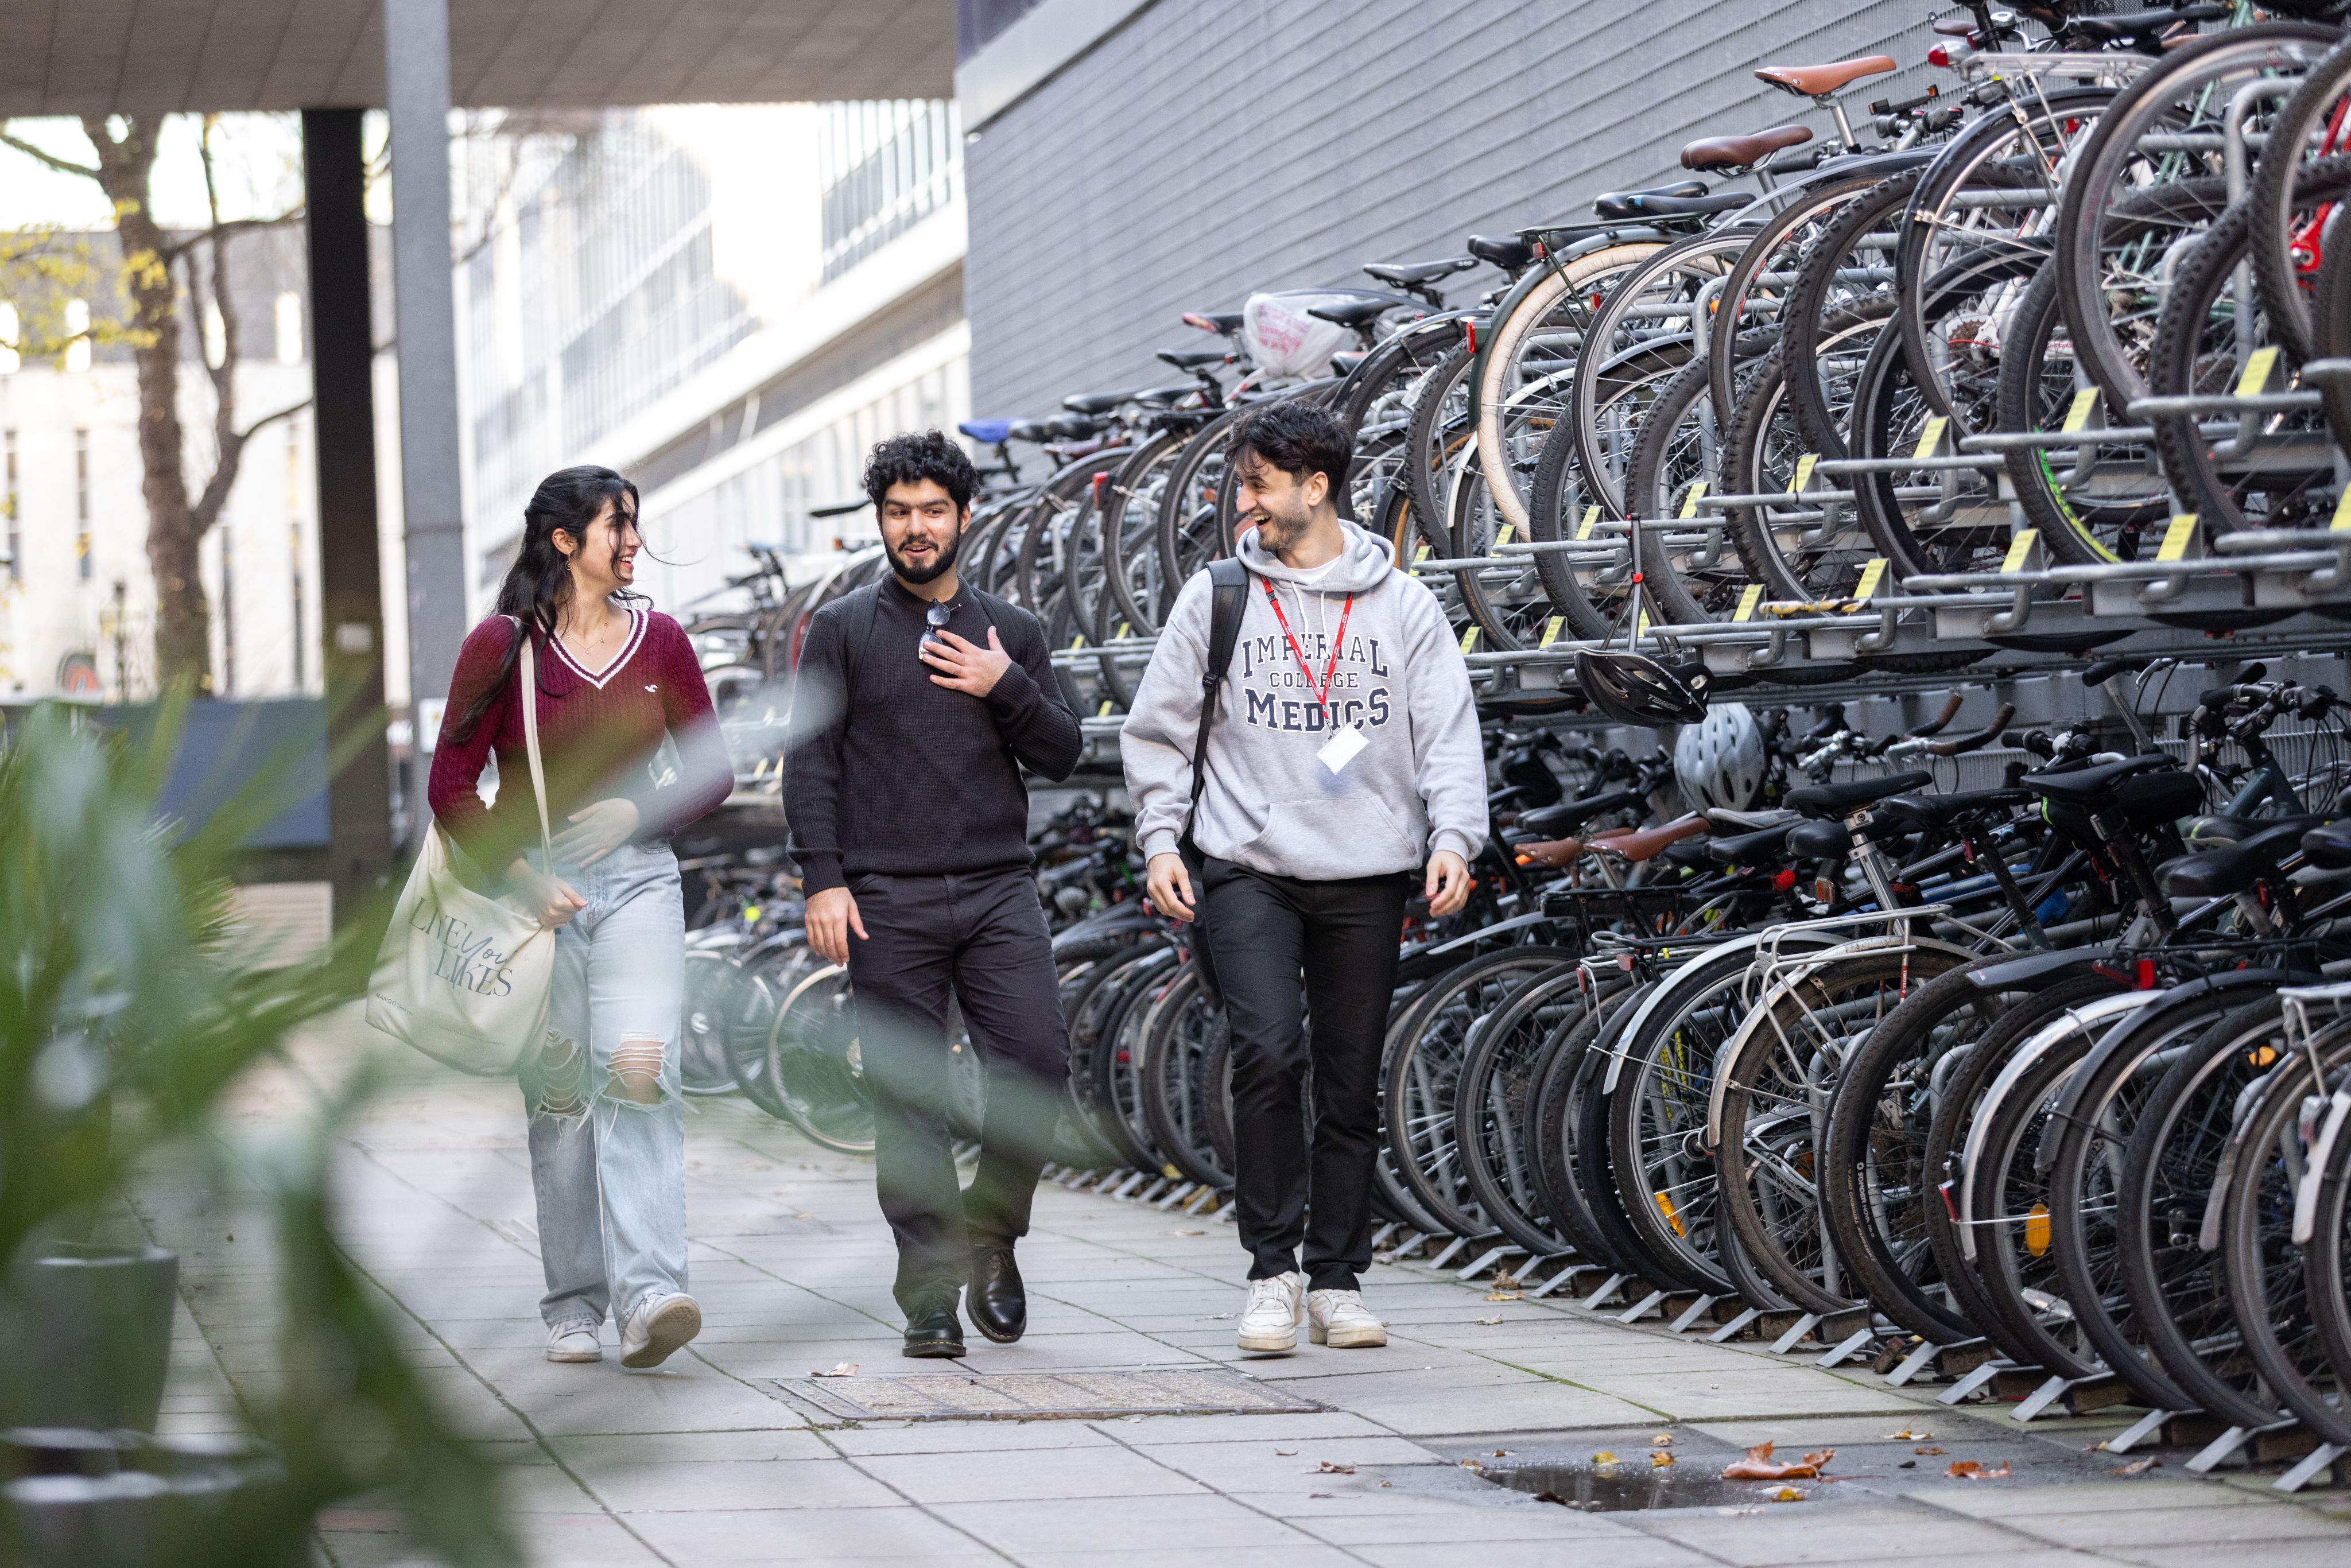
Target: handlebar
[1979,739]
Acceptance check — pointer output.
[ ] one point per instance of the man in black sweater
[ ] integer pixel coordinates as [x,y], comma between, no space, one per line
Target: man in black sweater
[909,820]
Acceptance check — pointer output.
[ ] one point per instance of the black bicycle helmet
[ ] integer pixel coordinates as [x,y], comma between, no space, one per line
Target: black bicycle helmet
[1633,688]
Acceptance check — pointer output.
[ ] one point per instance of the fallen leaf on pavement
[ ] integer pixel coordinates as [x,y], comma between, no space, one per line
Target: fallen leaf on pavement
[1907,1436]
[1759,1466]
[1552,1497]
[1968,1470]
[1662,1441]
[840,1369]
[1472,1464]
[1661,1458]
[1327,1468]
[1502,1453]
[1484,1322]
[1604,1458]
[1930,1450]
[1787,1494]
[1506,1281]
[2135,1468]
[1187,1233]
[1286,1453]
[1505,1296]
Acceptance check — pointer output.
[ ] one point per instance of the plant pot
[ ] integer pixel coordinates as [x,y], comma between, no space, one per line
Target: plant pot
[201,1502]
[101,1318]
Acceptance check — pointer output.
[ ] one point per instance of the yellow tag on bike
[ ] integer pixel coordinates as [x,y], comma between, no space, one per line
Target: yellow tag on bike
[1590,515]
[1749,598]
[1871,576]
[1502,535]
[2019,550]
[1469,640]
[1931,438]
[2178,536]
[1550,632]
[1689,502]
[2077,413]
[2261,365]
[1803,472]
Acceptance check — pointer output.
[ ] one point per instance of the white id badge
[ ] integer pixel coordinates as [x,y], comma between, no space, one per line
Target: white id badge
[1341,750]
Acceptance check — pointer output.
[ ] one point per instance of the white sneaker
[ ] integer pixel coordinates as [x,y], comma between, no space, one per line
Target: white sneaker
[574,1341]
[1340,1320]
[663,1323]
[1272,1321]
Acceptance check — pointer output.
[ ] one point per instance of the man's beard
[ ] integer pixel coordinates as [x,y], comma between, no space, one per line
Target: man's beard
[1277,531]
[945,559]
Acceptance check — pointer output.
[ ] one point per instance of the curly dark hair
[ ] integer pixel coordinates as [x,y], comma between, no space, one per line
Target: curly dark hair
[1298,438]
[917,456]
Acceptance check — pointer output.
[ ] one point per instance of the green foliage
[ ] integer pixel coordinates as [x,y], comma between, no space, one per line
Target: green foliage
[124,1022]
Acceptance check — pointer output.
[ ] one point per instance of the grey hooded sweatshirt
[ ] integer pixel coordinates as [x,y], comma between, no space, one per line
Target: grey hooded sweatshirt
[1417,786]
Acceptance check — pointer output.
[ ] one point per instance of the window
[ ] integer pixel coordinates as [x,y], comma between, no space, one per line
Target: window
[82,565]
[77,329]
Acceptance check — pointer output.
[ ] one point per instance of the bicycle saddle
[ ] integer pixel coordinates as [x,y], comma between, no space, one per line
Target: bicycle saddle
[1819,81]
[1508,252]
[2211,832]
[1941,811]
[2328,848]
[1719,152]
[1352,312]
[1161,397]
[1748,848]
[1569,815]
[1030,430]
[2216,874]
[1819,840]
[1095,402]
[1345,362]
[1646,844]
[1652,204]
[2084,786]
[1726,821]
[1833,801]
[988,432]
[1072,426]
[1406,273]
[1627,203]
[1193,359]
[2141,29]
[1225,322]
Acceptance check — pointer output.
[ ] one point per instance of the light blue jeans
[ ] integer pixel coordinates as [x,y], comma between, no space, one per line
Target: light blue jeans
[610,1171]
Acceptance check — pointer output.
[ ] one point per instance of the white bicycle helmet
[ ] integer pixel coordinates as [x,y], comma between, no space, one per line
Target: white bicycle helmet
[1719,760]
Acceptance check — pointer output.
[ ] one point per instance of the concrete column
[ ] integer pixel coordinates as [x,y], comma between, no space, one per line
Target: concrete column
[416,93]
[342,348]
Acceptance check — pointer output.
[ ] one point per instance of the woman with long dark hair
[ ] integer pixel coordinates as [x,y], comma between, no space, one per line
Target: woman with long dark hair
[607,1130]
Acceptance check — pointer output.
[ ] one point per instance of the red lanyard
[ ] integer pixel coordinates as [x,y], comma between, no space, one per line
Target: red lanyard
[1323,691]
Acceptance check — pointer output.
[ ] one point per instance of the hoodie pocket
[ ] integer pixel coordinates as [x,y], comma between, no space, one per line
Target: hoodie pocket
[1327,840]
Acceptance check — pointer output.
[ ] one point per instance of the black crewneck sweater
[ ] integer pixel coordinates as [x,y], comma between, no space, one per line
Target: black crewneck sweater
[913,779]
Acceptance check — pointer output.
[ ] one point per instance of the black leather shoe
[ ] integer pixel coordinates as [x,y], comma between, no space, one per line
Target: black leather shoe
[998,1302]
[934,1329]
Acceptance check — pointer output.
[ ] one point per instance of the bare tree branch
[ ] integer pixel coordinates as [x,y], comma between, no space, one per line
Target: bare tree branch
[181,246]
[62,165]
[207,509]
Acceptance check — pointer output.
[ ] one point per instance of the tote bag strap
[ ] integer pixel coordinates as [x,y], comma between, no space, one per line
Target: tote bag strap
[528,672]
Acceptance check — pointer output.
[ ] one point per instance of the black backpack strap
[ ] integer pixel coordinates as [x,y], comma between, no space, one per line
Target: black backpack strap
[1229,591]
[857,609]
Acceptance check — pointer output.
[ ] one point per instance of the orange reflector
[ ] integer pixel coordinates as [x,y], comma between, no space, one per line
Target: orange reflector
[1665,1208]
[2036,1230]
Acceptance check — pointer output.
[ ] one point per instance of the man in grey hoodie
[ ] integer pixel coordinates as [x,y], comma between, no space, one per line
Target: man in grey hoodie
[1343,757]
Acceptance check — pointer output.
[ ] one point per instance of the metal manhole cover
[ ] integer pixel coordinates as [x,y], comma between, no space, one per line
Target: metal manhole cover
[1043,1395]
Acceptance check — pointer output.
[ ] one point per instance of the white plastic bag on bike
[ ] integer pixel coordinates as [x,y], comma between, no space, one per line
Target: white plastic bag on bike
[1284,342]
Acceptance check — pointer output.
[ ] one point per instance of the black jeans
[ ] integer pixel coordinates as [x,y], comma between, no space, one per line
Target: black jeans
[983,935]
[1266,932]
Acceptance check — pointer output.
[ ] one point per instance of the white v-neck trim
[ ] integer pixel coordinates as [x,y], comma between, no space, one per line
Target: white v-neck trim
[599,679]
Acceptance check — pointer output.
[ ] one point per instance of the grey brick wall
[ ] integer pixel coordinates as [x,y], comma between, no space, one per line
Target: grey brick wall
[1211,146]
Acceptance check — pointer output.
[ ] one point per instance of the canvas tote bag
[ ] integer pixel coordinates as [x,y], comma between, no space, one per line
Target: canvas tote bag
[465,978]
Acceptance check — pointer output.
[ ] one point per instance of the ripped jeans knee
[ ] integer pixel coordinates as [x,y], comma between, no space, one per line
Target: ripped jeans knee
[636,1073]
[562,1073]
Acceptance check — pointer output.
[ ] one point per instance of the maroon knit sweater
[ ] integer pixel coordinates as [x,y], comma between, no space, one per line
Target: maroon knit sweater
[596,735]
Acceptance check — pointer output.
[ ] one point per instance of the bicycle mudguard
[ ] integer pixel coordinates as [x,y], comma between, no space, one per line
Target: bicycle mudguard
[2037,971]
[2068,1102]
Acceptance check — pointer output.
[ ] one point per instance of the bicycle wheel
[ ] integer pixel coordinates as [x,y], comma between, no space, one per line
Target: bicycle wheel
[1179,1082]
[1425,1069]
[816,1063]
[1844,294]
[2326,1281]
[1574,1062]
[1109,1061]
[2286,229]
[2162,129]
[1519,385]
[2267,1287]
[723,1003]
[1490,1108]
[1769,1117]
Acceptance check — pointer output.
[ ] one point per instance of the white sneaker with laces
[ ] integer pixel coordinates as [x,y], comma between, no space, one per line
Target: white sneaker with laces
[574,1341]
[664,1322]
[1340,1320]
[1272,1321]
